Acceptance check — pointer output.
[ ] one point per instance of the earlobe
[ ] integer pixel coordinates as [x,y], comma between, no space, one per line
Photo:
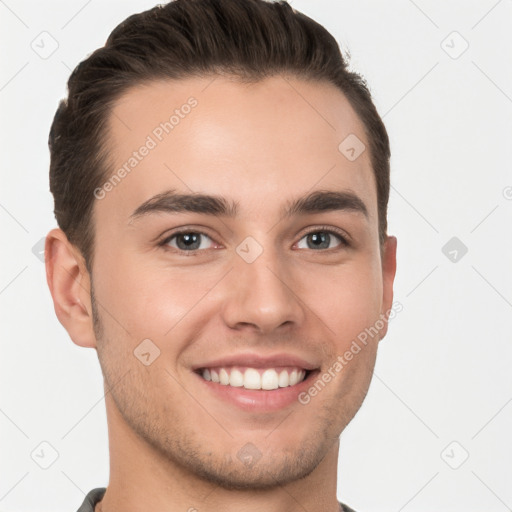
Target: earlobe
[69,283]
[388,278]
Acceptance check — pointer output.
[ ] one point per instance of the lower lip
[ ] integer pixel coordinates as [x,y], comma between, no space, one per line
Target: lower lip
[259,400]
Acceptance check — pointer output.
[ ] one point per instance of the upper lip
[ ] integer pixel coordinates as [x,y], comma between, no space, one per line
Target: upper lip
[252,360]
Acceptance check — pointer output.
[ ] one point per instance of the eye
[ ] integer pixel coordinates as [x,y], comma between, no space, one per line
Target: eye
[321,239]
[186,241]
[192,241]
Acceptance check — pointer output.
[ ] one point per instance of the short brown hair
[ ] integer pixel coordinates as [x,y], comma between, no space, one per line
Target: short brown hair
[247,39]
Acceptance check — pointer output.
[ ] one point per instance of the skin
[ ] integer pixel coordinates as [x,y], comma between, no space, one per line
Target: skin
[173,446]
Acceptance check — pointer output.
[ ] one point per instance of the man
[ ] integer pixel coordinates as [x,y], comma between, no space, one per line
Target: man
[221,184]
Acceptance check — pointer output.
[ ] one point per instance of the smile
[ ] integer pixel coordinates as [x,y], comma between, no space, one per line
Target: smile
[254,378]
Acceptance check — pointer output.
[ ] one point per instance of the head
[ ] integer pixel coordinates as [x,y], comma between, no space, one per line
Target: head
[249,116]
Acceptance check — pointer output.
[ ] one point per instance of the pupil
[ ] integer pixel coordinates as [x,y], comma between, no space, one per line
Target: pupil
[189,239]
[320,238]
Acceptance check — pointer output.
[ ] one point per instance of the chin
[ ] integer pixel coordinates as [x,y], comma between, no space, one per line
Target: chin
[263,475]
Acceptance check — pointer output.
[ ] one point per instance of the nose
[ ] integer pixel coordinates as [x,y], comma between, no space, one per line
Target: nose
[262,295]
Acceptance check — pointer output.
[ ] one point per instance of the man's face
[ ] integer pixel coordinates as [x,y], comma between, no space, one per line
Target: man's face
[252,294]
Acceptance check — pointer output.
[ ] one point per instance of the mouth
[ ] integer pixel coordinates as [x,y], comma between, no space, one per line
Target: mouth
[266,379]
[256,385]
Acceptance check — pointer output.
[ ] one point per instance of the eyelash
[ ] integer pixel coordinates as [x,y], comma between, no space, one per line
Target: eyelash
[195,252]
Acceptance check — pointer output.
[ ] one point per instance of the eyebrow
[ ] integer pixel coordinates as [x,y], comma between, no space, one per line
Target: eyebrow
[315,202]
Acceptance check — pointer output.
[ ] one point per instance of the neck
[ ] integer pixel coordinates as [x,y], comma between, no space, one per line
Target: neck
[142,479]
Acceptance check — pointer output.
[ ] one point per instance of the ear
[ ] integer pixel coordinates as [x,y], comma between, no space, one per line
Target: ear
[69,283]
[388,278]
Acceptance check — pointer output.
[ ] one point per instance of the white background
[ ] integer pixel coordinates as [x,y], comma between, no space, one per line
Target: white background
[443,371]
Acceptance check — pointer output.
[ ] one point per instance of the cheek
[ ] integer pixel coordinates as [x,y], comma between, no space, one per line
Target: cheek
[145,301]
[347,298]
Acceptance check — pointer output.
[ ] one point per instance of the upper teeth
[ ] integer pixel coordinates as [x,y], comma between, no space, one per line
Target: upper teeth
[252,378]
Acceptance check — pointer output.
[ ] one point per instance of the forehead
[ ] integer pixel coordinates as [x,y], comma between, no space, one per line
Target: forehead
[259,143]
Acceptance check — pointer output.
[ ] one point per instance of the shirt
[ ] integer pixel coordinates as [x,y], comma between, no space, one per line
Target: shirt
[96,495]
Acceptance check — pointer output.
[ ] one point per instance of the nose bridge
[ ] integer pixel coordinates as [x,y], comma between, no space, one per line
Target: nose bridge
[261,289]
